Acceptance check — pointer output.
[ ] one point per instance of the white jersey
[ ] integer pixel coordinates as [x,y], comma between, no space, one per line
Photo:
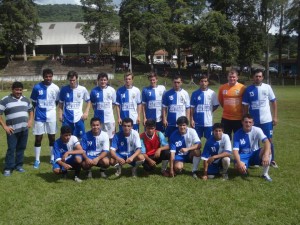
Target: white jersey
[102,102]
[203,103]
[258,98]
[95,145]
[73,102]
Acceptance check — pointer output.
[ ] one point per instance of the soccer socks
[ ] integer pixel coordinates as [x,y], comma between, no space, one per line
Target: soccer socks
[196,161]
[164,165]
[51,153]
[37,151]
[266,168]
[225,164]
[138,163]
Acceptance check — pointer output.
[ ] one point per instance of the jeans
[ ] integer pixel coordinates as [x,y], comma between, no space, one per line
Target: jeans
[16,144]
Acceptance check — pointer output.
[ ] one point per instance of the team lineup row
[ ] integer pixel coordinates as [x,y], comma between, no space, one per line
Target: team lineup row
[158,105]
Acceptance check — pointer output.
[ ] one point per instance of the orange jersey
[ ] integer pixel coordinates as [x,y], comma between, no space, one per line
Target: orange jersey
[230,98]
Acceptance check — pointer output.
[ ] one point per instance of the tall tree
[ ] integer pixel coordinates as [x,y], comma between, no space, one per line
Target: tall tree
[101,21]
[19,24]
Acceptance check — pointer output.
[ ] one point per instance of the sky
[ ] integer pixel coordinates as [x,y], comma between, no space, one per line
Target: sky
[75,2]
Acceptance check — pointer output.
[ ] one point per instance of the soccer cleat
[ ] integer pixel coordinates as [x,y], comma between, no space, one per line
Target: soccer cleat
[119,170]
[7,173]
[36,164]
[194,175]
[165,173]
[267,177]
[77,179]
[20,169]
[225,176]
[102,174]
[133,170]
[274,165]
[210,176]
[89,174]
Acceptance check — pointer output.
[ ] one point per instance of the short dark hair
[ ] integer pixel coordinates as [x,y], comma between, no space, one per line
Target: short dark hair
[127,120]
[181,120]
[218,126]
[247,116]
[65,130]
[71,74]
[176,77]
[16,84]
[47,71]
[95,119]
[150,123]
[102,75]
[203,77]
[152,74]
[258,71]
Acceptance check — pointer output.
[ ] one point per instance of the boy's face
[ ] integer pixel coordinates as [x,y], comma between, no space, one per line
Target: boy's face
[126,128]
[96,127]
[258,78]
[153,81]
[182,128]
[73,82]
[65,137]
[150,131]
[203,84]
[177,84]
[247,124]
[218,133]
[103,82]
[48,78]
[128,81]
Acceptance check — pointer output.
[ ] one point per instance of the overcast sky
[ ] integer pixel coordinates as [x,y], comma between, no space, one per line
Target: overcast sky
[45,2]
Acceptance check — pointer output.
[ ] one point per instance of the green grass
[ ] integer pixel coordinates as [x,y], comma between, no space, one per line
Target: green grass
[40,197]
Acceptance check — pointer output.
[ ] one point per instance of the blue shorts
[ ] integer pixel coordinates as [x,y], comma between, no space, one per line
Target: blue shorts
[214,168]
[71,161]
[126,157]
[170,130]
[77,128]
[251,158]
[183,158]
[267,128]
[204,131]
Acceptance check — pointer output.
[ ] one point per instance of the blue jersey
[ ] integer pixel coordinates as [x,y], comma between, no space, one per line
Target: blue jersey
[246,143]
[73,102]
[258,98]
[176,102]
[179,141]
[128,99]
[152,99]
[95,145]
[60,148]
[126,146]
[203,103]
[45,98]
[102,102]
[215,147]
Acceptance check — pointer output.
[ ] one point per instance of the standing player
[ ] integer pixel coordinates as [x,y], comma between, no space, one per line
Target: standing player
[95,143]
[44,98]
[246,149]
[126,148]
[176,103]
[203,103]
[70,105]
[67,153]
[256,100]
[184,147]
[103,98]
[155,148]
[216,153]
[230,98]
[152,101]
[129,102]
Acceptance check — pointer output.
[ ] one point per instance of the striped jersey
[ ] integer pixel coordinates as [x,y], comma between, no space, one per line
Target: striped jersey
[45,98]
[60,148]
[95,145]
[16,112]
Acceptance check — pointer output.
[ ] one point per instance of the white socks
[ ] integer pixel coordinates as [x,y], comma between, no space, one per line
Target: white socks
[196,161]
[37,151]
[164,165]
[51,153]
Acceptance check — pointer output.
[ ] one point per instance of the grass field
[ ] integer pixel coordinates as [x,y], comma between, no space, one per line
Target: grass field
[40,197]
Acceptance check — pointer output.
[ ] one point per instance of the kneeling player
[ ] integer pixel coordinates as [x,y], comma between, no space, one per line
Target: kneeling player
[96,146]
[246,149]
[126,148]
[67,153]
[216,153]
[155,148]
[184,147]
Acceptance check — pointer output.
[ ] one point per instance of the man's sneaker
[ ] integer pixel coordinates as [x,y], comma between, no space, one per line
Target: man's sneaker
[165,173]
[225,176]
[133,170]
[77,179]
[7,173]
[194,175]
[274,164]
[210,176]
[102,174]
[267,177]
[119,170]
[89,174]
[20,169]
[36,164]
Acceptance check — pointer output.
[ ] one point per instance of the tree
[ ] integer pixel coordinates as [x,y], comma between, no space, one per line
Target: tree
[19,24]
[101,21]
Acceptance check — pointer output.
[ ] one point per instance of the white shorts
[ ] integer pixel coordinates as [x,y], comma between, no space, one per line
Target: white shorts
[110,128]
[40,128]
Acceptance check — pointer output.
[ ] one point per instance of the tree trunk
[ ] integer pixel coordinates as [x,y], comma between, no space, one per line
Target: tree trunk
[280,41]
[24,52]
